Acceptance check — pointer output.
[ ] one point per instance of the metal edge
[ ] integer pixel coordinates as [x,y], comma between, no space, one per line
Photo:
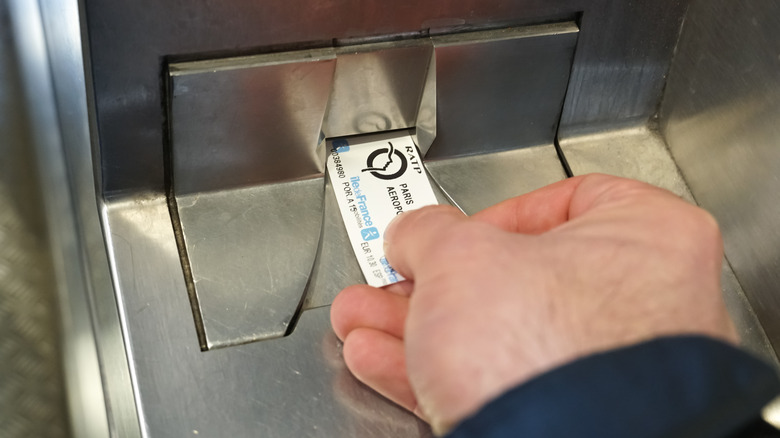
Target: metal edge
[234,63]
[503,34]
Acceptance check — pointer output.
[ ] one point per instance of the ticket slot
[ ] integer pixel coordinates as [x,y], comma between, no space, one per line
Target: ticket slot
[248,152]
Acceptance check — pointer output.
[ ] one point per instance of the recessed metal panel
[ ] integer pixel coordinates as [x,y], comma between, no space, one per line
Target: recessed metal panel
[297,386]
[621,63]
[248,239]
[250,253]
[477,182]
[377,87]
[720,117]
[500,90]
[641,153]
[245,121]
[242,130]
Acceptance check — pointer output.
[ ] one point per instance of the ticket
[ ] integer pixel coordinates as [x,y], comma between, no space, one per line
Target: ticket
[375,178]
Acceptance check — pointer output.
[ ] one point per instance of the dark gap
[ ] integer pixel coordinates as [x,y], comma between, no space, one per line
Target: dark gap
[246,51]
[299,308]
[557,142]
[173,207]
[562,157]
[367,39]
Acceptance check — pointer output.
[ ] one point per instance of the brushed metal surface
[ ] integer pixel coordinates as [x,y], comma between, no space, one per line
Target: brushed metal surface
[631,151]
[240,127]
[293,386]
[251,251]
[622,57]
[377,87]
[479,181]
[425,126]
[251,120]
[335,263]
[240,124]
[500,90]
[720,117]
[640,152]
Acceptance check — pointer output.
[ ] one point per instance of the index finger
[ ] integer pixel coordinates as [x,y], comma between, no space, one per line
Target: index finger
[534,212]
[412,237]
[549,207]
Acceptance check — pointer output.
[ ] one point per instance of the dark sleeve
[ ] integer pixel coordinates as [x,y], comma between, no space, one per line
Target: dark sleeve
[686,386]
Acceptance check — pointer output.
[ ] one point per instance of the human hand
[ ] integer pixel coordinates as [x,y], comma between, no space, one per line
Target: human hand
[585,265]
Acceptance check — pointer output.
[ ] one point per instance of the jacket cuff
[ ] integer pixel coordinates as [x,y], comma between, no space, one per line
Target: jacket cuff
[682,386]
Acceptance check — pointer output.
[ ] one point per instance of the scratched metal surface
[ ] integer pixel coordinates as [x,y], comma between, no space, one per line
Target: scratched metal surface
[289,386]
[720,118]
[295,386]
[640,152]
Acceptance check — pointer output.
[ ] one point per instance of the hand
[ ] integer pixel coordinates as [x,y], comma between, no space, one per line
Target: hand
[588,264]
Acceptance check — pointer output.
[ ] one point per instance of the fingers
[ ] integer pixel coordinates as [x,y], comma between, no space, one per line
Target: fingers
[363,306]
[544,209]
[411,238]
[534,212]
[403,288]
[377,359]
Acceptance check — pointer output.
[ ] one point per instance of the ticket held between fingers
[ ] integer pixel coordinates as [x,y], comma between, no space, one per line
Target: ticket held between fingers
[411,236]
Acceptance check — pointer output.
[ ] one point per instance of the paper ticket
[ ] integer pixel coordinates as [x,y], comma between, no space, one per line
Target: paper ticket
[375,178]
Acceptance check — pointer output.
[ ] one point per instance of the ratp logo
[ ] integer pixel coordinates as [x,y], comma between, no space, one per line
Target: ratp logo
[369,233]
[386,163]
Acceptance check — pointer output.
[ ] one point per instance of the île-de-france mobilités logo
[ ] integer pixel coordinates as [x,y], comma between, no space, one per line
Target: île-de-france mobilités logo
[386,163]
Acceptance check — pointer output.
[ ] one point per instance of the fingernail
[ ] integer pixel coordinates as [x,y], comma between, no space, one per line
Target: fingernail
[390,230]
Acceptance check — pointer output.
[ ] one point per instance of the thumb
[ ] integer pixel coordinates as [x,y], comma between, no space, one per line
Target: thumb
[412,238]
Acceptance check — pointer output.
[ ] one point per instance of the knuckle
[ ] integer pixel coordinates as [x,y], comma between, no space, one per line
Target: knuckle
[615,186]
[459,240]
[700,225]
[696,235]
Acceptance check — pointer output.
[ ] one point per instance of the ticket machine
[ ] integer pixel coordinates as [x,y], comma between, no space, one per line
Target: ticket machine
[195,137]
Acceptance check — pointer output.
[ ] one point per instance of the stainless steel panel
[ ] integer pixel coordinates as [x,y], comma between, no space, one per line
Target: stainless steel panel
[720,117]
[237,122]
[425,126]
[500,90]
[245,121]
[632,151]
[622,57]
[250,253]
[640,152]
[336,265]
[377,87]
[293,386]
[476,182]
[239,128]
